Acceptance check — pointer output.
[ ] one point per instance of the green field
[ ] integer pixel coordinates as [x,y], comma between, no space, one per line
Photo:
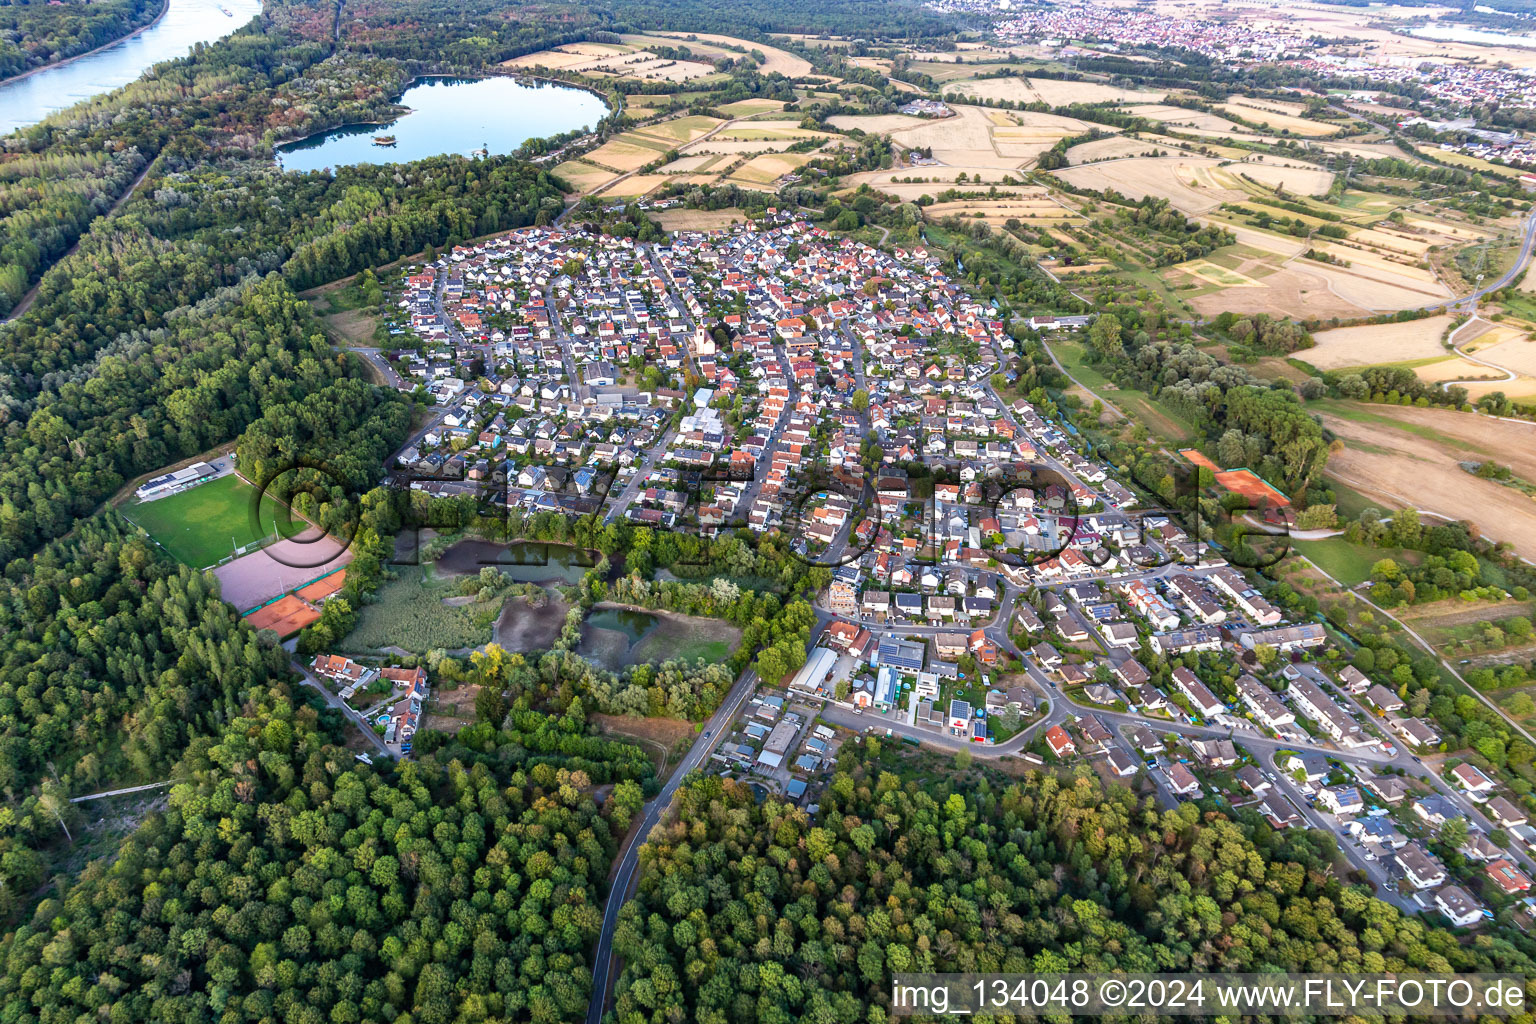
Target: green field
[202,525]
[1348,563]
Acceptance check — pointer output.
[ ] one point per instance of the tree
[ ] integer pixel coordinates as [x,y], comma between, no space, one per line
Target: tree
[1104,336]
[860,400]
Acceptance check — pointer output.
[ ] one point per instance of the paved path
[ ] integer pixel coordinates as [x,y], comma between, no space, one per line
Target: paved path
[603,968]
[121,792]
[31,296]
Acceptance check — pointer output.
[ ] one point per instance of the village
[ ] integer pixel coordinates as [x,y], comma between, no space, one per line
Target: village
[993,589]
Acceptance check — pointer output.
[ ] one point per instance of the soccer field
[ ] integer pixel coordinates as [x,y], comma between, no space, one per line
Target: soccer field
[202,525]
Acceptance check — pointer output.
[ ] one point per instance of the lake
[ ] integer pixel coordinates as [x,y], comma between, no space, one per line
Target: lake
[452,115]
[1468,34]
[27,101]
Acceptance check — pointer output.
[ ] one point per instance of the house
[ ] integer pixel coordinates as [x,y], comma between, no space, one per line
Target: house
[959,720]
[1311,767]
[1145,739]
[1458,907]
[1416,731]
[951,646]
[1471,779]
[1421,869]
[1323,710]
[1353,680]
[1216,753]
[1384,698]
[1200,698]
[1261,700]
[1122,764]
[1507,877]
[1378,831]
[1130,672]
[1480,848]
[1183,782]
[1278,811]
[1505,813]
[1253,780]
[1390,788]
[344,671]
[1435,810]
[1061,743]
[901,655]
[1095,735]
[1341,799]
[1286,638]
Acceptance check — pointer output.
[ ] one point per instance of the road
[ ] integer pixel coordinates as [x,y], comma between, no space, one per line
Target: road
[1468,304]
[31,295]
[340,705]
[629,857]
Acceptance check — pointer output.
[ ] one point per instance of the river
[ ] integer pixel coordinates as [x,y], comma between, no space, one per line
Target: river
[452,115]
[26,101]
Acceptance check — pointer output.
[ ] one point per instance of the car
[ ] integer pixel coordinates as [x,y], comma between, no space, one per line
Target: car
[707,732]
[858,711]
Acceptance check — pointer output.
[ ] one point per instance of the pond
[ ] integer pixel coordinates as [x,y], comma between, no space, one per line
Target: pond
[633,624]
[26,101]
[452,115]
[523,561]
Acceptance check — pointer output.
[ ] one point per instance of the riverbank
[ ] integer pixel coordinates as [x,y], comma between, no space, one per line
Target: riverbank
[165,7]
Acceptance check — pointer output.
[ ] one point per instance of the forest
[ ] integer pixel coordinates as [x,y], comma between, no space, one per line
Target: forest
[36,34]
[757,911]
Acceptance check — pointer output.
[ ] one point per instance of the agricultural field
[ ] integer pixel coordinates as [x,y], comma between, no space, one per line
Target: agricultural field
[628,152]
[1033,205]
[1348,563]
[202,525]
[1509,348]
[1277,116]
[699,220]
[1052,92]
[1408,457]
[610,60]
[752,107]
[636,185]
[763,170]
[582,176]
[780,61]
[680,130]
[1377,344]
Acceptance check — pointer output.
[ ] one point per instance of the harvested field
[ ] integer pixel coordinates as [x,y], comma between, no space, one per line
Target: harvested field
[1373,344]
[636,185]
[1291,291]
[999,212]
[1300,178]
[699,220]
[769,167]
[278,568]
[1277,116]
[623,156]
[689,164]
[1408,457]
[1170,179]
[782,61]
[1116,148]
[874,124]
[1051,92]
[581,176]
[1183,117]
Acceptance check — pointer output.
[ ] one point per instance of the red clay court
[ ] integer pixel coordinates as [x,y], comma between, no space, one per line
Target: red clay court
[323,588]
[286,616]
[1250,485]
